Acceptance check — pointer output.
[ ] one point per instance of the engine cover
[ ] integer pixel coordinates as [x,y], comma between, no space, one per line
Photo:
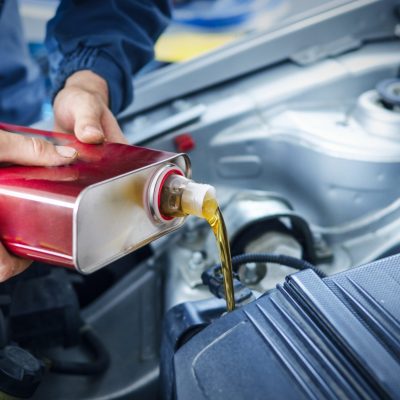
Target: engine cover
[337,337]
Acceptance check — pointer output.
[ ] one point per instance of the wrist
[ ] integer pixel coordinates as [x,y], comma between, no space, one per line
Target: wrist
[90,82]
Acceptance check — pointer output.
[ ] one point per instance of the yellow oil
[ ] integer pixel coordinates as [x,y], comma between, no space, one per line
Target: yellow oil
[172,205]
[213,215]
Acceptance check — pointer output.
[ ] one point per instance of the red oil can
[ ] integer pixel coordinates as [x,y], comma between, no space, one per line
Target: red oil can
[90,213]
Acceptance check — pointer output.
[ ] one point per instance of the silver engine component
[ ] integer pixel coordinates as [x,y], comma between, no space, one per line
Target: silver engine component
[303,121]
[317,136]
[375,118]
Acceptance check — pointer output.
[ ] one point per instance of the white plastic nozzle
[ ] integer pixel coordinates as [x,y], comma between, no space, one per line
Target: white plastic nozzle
[194,195]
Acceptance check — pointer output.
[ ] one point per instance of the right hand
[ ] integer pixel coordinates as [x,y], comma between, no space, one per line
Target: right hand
[26,150]
[81,107]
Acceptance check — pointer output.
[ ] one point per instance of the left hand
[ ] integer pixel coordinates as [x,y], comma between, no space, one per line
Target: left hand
[81,107]
[26,150]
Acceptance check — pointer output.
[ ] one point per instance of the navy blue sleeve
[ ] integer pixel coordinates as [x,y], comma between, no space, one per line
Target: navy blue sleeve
[113,38]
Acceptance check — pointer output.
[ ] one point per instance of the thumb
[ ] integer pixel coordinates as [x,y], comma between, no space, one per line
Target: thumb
[87,116]
[23,150]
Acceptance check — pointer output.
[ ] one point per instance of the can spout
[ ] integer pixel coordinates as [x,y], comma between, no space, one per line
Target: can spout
[181,196]
[199,199]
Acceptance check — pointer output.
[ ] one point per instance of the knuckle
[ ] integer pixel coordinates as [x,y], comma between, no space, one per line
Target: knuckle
[99,99]
[86,97]
[91,102]
[38,147]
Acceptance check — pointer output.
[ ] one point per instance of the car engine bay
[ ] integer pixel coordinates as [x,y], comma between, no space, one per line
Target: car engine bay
[304,153]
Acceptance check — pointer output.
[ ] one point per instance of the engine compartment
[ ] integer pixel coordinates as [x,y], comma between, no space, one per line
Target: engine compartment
[295,139]
[304,156]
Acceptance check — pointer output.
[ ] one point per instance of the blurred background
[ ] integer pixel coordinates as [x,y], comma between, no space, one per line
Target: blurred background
[198,27]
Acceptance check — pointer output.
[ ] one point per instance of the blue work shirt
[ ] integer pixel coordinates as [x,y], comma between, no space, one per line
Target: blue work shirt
[113,38]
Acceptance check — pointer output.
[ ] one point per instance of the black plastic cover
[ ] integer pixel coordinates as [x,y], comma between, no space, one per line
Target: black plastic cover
[311,338]
[20,372]
[45,311]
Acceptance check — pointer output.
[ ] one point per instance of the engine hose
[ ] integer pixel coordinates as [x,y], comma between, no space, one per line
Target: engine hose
[99,365]
[287,261]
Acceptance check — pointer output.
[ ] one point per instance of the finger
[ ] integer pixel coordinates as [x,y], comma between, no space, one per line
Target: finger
[60,129]
[87,112]
[11,265]
[111,128]
[27,150]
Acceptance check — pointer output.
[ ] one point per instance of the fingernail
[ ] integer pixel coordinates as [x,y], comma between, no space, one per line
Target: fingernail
[90,131]
[67,152]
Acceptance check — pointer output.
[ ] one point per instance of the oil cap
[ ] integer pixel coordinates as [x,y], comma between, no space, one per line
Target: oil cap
[20,372]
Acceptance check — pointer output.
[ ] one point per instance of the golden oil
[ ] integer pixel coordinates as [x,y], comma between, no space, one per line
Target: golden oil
[180,197]
[213,215]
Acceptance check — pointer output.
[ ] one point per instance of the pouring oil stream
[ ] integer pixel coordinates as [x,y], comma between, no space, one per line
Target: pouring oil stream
[180,197]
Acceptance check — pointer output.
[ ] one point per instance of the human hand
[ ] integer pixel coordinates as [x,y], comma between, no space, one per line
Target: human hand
[81,107]
[26,150]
